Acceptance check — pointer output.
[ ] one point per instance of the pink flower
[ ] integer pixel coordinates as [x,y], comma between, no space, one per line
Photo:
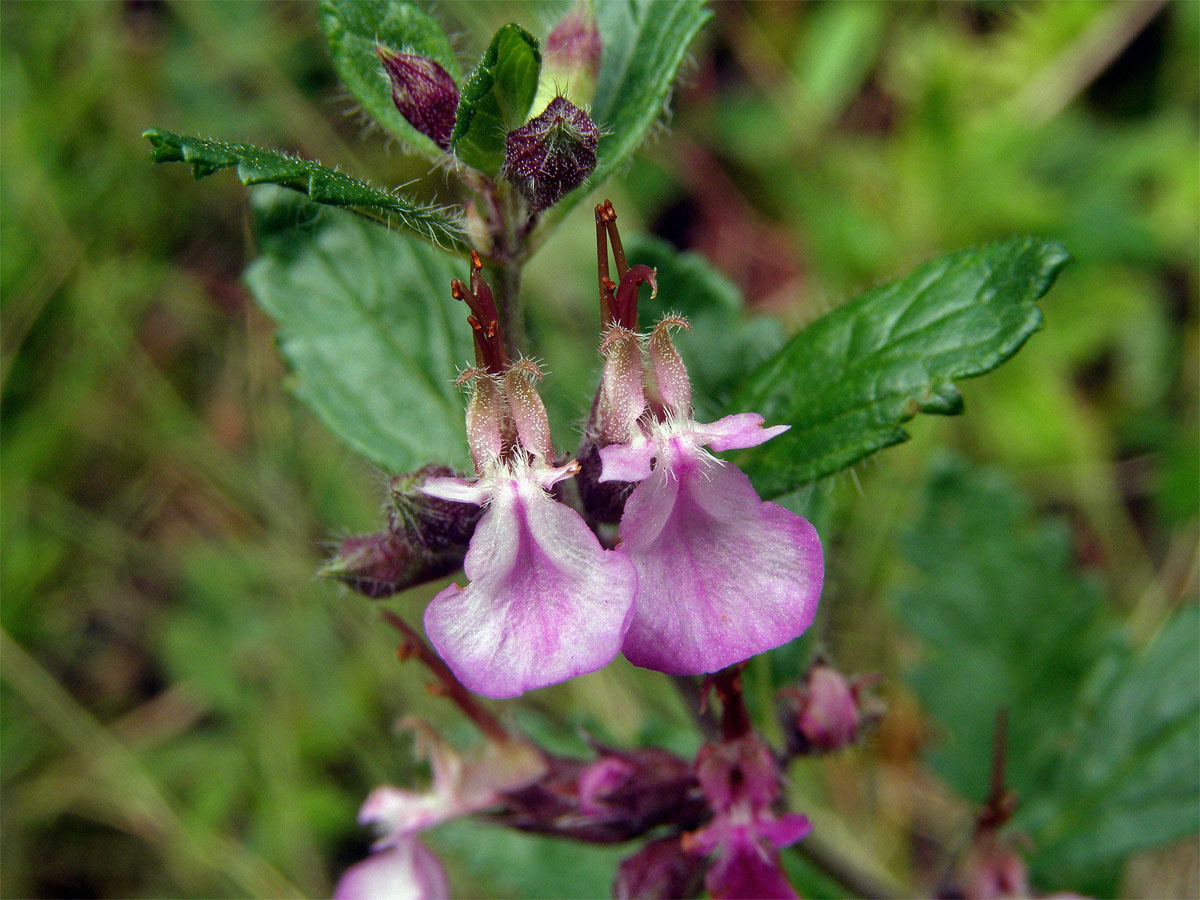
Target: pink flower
[545,601]
[400,866]
[406,870]
[740,781]
[722,575]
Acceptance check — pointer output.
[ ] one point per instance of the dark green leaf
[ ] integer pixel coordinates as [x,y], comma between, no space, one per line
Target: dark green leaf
[367,324]
[847,382]
[496,98]
[257,165]
[645,42]
[1004,621]
[353,28]
[1132,779]
[1104,745]
[723,344]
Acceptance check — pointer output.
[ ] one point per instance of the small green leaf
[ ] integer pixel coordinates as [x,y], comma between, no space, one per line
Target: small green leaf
[847,382]
[496,98]
[723,343]
[645,42]
[367,325]
[257,165]
[353,28]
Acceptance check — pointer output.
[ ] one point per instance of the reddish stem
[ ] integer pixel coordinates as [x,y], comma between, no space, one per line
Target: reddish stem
[447,685]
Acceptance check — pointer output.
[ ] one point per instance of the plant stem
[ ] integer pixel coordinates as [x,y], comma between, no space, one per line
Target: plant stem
[857,882]
[448,685]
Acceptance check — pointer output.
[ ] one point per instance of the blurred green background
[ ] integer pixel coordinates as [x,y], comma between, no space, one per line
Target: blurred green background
[188,712]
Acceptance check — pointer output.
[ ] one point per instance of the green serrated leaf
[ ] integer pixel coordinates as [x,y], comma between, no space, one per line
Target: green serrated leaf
[353,29]
[257,165]
[645,43]
[367,325]
[723,343]
[496,98]
[847,382]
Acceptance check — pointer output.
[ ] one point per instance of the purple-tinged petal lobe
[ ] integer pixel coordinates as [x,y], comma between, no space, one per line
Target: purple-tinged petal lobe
[786,830]
[460,490]
[623,462]
[722,575]
[406,871]
[737,432]
[546,602]
[747,871]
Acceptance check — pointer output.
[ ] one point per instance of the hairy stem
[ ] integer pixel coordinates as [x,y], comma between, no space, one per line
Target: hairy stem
[447,685]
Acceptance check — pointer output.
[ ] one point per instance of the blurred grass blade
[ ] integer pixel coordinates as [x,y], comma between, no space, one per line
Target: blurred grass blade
[645,42]
[124,785]
[353,29]
[496,98]
[258,165]
[367,324]
[848,381]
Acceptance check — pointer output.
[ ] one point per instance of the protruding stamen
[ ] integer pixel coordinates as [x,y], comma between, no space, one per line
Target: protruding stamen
[670,375]
[625,311]
[484,320]
[527,410]
[607,286]
[609,217]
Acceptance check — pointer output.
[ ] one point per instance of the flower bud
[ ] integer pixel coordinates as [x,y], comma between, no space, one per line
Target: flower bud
[571,56]
[551,154]
[661,869]
[487,417]
[619,403]
[671,383]
[527,410]
[993,870]
[617,797]
[426,539]
[439,525]
[825,713]
[382,564]
[424,93]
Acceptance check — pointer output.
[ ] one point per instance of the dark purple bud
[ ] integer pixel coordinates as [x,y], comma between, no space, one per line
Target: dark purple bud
[617,797]
[426,539]
[551,154]
[660,870]
[436,524]
[825,713]
[424,93]
[379,565]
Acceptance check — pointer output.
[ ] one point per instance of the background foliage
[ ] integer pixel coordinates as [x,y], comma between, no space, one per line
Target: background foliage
[186,712]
